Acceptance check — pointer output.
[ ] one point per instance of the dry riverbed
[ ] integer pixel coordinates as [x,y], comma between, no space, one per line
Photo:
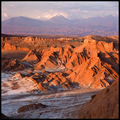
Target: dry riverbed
[59,105]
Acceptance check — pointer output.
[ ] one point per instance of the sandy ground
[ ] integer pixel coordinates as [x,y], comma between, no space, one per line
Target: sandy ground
[60,104]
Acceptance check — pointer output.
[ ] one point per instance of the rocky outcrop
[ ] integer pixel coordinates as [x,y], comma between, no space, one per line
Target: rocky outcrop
[33,56]
[8,47]
[12,65]
[95,58]
[49,58]
[47,81]
[103,105]
[31,107]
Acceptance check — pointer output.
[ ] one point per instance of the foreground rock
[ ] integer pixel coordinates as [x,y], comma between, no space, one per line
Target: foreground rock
[103,105]
[31,107]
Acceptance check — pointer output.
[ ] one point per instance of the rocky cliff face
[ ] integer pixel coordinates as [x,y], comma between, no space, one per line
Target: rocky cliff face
[103,105]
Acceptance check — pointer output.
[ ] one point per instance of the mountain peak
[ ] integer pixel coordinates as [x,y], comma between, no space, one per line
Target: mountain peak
[57,17]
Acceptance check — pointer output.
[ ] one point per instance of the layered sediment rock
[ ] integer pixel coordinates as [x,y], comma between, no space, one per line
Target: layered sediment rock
[93,64]
[32,57]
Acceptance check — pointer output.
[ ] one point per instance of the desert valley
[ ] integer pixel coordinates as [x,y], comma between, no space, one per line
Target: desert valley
[46,77]
[60,60]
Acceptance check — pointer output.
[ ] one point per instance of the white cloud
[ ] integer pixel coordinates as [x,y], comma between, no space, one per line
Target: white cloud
[71,10]
[37,17]
[49,14]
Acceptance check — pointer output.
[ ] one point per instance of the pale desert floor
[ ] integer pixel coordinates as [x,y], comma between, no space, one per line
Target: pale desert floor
[60,104]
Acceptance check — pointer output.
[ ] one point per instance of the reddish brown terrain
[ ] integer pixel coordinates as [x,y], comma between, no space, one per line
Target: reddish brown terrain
[95,57]
[90,62]
[103,105]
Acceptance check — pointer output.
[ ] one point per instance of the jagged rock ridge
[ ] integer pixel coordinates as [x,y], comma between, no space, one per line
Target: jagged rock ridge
[93,64]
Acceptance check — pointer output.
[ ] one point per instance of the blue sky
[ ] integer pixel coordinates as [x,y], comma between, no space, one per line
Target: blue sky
[71,10]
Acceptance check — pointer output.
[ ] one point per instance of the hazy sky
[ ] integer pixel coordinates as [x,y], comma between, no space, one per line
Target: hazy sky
[71,10]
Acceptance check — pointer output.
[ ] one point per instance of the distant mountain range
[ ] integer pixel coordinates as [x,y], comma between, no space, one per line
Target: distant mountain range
[59,25]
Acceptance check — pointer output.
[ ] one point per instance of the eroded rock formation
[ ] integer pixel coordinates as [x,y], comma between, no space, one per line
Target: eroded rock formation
[9,47]
[93,64]
[103,105]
